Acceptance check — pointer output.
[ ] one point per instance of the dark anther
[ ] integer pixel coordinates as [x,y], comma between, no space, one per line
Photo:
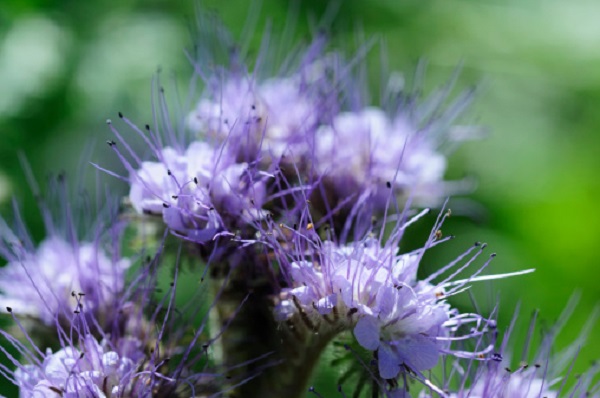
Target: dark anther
[81,355]
[111,143]
[172,284]
[166,206]
[196,180]
[174,196]
[493,255]
[169,172]
[9,309]
[121,115]
[496,357]
[148,127]
[352,311]
[477,243]
[507,369]
[295,226]
[388,184]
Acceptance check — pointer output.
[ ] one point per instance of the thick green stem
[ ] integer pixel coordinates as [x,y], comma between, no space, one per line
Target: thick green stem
[295,346]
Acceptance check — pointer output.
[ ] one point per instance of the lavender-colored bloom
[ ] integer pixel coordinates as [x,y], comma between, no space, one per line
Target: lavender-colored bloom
[47,282]
[276,117]
[367,287]
[365,150]
[93,370]
[198,192]
[529,383]
[373,291]
[543,375]
[138,350]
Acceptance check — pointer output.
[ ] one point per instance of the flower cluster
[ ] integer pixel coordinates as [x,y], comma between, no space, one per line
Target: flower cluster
[71,268]
[199,192]
[95,370]
[101,328]
[290,198]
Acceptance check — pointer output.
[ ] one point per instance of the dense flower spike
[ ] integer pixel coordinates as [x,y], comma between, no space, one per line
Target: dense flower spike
[371,289]
[289,195]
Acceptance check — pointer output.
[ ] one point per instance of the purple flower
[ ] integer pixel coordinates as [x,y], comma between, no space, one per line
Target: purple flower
[137,349]
[277,117]
[528,383]
[93,369]
[543,375]
[199,192]
[48,282]
[371,289]
[365,150]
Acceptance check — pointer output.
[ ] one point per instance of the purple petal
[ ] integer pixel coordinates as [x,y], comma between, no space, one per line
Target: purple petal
[174,219]
[387,297]
[417,351]
[389,362]
[367,332]
[326,304]
[304,294]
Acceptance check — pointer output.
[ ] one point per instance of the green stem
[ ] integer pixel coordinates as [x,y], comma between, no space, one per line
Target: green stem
[295,345]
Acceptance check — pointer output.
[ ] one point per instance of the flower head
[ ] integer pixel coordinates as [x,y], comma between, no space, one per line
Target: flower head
[368,287]
[365,150]
[199,192]
[79,258]
[46,283]
[276,117]
[542,375]
[93,369]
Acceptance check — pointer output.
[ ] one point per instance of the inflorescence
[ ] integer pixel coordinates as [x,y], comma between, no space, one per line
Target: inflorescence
[288,198]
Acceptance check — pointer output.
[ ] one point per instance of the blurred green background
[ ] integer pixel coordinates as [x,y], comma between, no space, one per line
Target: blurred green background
[66,66]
